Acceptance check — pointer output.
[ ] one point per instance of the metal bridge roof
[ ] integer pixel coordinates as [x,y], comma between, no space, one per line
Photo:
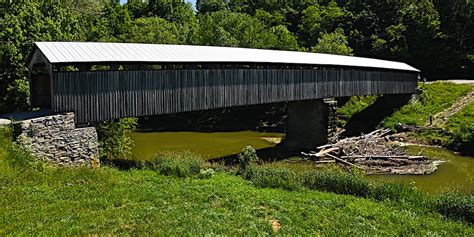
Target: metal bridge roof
[91,52]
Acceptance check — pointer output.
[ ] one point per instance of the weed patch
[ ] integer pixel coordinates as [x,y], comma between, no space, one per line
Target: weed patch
[179,165]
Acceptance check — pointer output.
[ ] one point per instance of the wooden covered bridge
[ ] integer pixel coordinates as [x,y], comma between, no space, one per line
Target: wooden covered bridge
[104,81]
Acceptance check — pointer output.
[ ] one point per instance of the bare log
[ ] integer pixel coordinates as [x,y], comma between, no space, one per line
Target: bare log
[343,161]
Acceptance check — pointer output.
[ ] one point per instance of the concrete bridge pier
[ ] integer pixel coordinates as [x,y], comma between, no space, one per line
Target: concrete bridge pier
[307,124]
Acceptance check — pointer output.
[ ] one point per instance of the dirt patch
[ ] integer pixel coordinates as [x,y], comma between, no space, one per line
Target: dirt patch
[276,226]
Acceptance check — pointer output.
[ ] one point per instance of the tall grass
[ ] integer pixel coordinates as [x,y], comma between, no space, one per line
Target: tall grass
[185,164]
[458,206]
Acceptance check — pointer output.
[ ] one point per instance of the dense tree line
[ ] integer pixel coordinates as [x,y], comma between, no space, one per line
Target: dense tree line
[436,36]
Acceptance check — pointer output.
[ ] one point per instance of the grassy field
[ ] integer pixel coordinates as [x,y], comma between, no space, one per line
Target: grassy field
[42,200]
[81,201]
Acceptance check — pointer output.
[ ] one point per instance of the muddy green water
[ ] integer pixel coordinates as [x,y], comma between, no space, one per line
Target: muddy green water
[208,145]
[456,174]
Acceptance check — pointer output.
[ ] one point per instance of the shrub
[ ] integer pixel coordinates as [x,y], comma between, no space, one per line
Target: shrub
[458,206]
[179,165]
[336,182]
[247,157]
[272,178]
[206,173]
[114,139]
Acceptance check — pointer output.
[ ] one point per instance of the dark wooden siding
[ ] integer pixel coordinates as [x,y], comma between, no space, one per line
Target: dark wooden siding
[41,91]
[103,95]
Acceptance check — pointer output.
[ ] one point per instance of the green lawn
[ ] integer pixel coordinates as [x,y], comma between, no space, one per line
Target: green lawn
[70,201]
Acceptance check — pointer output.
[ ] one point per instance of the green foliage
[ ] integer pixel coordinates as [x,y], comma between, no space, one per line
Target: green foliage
[247,157]
[433,36]
[225,28]
[317,21]
[206,173]
[153,30]
[179,165]
[458,206]
[333,43]
[205,6]
[463,139]
[21,24]
[435,98]
[114,139]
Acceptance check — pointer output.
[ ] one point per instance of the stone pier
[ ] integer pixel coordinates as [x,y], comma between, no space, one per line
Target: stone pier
[307,124]
[55,139]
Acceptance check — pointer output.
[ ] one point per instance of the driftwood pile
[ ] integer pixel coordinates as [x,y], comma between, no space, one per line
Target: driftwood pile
[375,153]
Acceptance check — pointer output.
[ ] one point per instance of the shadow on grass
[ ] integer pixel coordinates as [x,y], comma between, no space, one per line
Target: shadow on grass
[368,119]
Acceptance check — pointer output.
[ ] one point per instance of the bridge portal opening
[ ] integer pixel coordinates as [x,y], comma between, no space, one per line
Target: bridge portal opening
[40,87]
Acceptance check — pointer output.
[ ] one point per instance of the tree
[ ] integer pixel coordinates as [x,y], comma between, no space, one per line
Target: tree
[152,30]
[333,43]
[225,28]
[205,6]
[23,23]
[317,20]
[457,24]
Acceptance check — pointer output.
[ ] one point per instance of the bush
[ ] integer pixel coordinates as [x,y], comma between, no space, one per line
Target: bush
[206,173]
[114,139]
[458,206]
[272,178]
[340,183]
[179,165]
[247,157]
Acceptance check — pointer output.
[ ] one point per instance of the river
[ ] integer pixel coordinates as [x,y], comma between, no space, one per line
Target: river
[457,173]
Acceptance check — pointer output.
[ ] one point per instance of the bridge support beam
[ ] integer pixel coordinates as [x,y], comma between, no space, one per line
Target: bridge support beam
[307,124]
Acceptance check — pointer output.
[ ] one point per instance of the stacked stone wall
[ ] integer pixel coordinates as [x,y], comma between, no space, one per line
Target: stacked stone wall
[55,139]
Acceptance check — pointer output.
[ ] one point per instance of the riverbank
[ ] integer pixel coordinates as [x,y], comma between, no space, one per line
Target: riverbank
[40,199]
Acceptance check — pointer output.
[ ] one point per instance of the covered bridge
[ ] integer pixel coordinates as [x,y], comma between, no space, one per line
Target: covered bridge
[103,81]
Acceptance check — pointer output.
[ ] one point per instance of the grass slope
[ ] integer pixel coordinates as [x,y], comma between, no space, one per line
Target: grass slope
[42,200]
[83,201]
[435,98]
[465,117]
